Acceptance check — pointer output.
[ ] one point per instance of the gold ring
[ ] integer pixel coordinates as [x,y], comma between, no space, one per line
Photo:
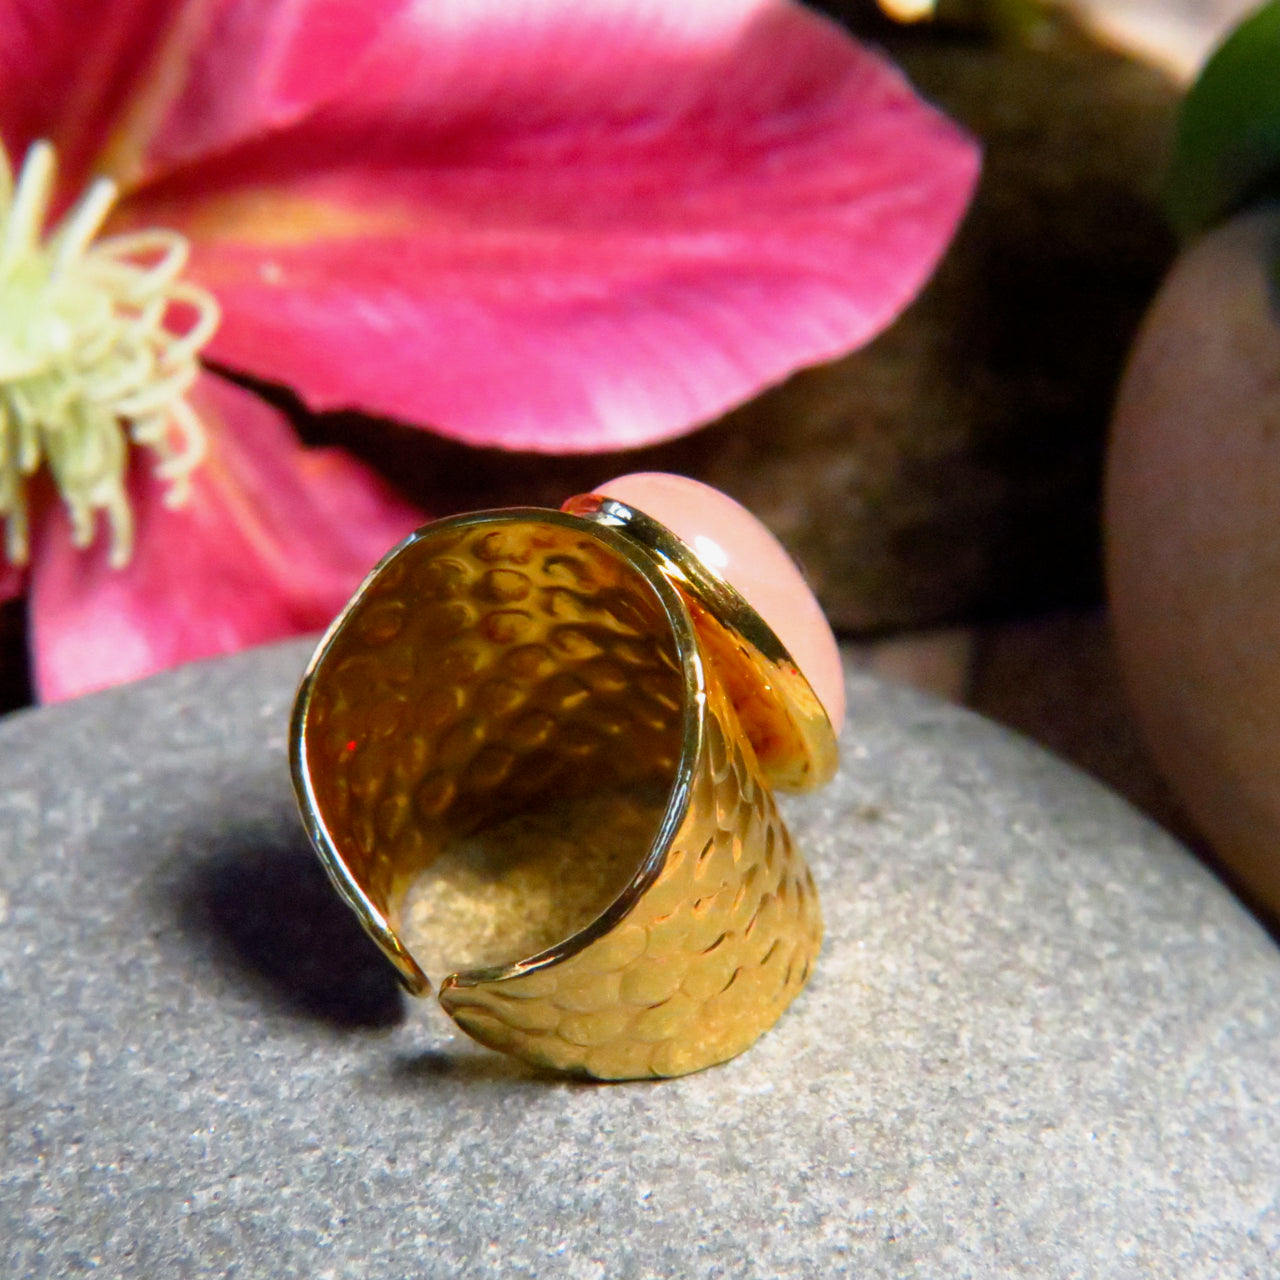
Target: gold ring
[540,747]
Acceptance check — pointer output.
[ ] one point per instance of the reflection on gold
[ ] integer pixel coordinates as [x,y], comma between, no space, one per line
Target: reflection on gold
[525,753]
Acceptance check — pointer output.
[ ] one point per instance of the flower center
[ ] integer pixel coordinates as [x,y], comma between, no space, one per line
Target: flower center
[99,344]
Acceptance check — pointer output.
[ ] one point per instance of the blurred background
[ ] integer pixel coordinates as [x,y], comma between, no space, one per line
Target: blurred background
[941,487]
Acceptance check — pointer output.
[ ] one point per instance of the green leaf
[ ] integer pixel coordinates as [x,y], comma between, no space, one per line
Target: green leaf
[1228,145]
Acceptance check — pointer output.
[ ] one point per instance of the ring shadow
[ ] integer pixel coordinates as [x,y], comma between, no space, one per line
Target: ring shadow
[264,902]
[260,898]
[474,1064]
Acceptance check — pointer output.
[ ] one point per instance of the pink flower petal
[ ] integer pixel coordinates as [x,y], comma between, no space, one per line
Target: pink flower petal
[553,226]
[66,70]
[13,581]
[131,86]
[272,542]
[262,64]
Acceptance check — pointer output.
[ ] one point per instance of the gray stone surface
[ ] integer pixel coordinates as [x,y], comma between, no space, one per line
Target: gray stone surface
[1041,1040]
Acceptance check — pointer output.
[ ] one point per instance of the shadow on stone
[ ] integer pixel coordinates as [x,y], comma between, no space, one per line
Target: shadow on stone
[433,1066]
[273,914]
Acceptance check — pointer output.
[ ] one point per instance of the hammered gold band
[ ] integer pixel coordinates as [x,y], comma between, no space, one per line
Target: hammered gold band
[539,747]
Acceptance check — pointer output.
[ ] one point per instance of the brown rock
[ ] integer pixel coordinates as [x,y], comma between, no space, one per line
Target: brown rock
[1193,549]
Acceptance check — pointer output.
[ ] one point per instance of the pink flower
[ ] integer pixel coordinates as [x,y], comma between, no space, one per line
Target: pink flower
[536,224]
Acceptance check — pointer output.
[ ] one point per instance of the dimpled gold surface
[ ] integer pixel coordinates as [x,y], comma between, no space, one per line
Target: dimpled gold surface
[494,735]
[484,681]
[707,958]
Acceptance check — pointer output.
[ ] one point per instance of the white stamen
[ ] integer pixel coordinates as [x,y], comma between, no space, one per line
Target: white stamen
[99,345]
[84,222]
[25,215]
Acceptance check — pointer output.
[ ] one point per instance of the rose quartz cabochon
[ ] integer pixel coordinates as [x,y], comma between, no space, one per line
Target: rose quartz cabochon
[733,543]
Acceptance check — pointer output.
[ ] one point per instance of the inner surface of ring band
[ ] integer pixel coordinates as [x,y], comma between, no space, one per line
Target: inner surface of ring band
[493,736]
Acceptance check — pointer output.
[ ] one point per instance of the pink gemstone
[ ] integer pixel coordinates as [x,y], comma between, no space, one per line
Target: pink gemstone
[741,550]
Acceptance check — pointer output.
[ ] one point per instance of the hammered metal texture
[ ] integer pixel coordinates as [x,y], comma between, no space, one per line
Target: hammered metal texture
[480,672]
[707,959]
[484,670]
